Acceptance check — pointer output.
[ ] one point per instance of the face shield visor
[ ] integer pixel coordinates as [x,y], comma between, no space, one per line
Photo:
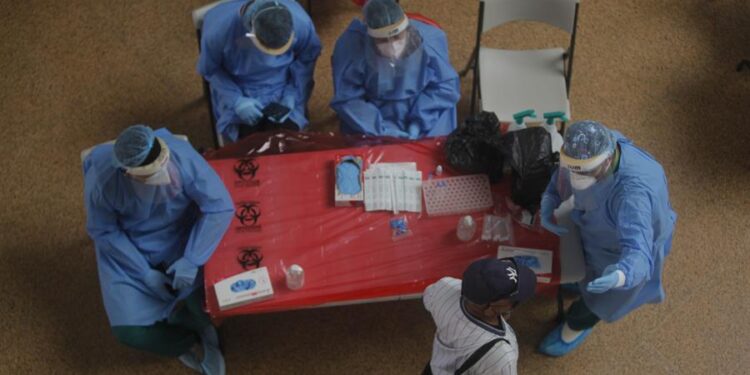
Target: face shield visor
[275,23]
[155,173]
[394,57]
[576,175]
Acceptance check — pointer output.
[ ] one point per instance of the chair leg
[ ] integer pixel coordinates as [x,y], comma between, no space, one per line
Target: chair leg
[560,305]
[468,66]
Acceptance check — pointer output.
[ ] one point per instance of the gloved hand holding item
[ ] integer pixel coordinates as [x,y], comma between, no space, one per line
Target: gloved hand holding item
[611,278]
[547,212]
[158,282]
[184,273]
[391,130]
[248,110]
[414,131]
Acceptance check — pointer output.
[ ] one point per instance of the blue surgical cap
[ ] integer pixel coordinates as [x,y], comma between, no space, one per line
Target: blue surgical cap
[382,13]
[133,145]
[587,139]
[271,22]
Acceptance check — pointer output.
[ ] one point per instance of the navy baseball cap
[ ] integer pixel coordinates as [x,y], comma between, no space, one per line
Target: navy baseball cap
[490,280]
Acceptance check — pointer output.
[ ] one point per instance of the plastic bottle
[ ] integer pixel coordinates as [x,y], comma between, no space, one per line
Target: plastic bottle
[295,277]
[549,125]
[518,118]
[466,228]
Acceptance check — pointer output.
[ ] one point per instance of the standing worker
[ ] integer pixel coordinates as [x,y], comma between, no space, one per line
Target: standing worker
[156,212]
[254,54]
[392,76]
[472,335]
[622,209]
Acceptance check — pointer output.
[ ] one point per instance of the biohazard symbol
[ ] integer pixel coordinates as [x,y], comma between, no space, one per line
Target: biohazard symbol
[248,213]
[250,257]
[246,168]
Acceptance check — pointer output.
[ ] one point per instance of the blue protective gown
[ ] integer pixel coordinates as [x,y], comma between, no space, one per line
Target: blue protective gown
[235,67]
[138,227]
[625,219]
[426,93]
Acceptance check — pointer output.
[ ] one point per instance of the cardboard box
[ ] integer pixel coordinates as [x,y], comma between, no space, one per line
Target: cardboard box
[244,288]
[347,200]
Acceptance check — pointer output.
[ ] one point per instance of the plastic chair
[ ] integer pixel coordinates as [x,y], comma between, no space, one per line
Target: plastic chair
[508,81]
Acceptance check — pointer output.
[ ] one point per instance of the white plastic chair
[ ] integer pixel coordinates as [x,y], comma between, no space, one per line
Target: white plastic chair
[509,81]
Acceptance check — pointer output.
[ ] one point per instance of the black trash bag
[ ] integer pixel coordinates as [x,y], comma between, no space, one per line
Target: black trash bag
[529,152]
[476,147]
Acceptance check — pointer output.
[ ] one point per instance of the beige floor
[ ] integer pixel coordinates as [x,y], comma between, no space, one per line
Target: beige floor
[663,72]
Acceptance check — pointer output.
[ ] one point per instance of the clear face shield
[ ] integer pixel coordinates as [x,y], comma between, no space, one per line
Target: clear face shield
[391,57]
[577,175]
[156,173]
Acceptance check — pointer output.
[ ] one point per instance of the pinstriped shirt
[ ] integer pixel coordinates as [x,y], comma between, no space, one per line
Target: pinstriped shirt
[459,334]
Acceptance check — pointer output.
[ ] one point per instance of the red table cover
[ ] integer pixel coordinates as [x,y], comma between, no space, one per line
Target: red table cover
[283,189]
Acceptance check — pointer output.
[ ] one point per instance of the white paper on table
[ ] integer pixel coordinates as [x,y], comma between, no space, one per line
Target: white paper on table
[543,256]
[393,186]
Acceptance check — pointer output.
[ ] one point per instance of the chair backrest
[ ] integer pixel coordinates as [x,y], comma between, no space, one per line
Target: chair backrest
[200,13]
[558,13]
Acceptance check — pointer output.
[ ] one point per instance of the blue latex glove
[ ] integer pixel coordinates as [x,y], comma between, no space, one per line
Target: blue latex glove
[548,218]
[607,281]
[395,132]
[248,110]
[158,283]
[184,273]
[347,177]
[414,131]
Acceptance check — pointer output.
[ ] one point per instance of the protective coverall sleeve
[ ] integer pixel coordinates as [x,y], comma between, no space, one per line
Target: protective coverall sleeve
[350,102]
[551,191]
[633,214]
[306,50]
[110,240]
[215,205]
[433,102]
[210,66]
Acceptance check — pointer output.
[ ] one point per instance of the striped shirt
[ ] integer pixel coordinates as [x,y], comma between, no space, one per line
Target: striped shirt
[459,334]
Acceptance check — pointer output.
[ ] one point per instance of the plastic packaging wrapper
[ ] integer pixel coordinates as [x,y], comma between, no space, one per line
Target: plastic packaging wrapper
[529,152]
[476,147]
[283,189]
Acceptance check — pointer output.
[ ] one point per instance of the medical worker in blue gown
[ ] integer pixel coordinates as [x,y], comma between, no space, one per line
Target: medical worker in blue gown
[622,209]
[392,76]
[254,53]
[156,212]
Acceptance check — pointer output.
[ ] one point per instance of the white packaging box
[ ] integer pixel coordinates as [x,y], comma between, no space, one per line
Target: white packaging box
[244,288]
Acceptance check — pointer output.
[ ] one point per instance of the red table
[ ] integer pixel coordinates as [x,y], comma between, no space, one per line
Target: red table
[286,214]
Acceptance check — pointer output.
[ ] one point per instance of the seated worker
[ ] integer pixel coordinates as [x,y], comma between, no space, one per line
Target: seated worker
[254,53]
[392,76]
[622,210]
[156,212]
[472,335]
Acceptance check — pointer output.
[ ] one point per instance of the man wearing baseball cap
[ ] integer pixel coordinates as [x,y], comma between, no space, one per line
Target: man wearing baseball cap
[472,335]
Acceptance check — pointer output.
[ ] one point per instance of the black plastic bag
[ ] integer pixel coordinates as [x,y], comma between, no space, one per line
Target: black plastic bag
[476,147]
[529,152]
